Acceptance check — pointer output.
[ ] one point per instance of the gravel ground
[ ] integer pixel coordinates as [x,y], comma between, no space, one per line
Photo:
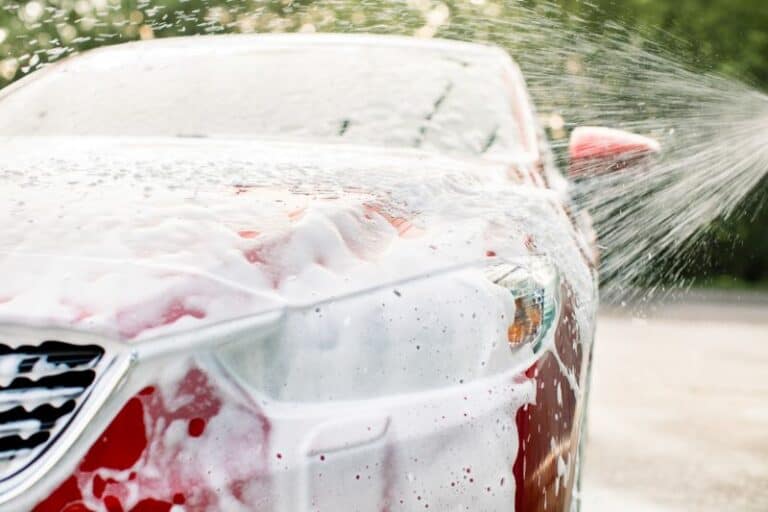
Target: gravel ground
[679,410]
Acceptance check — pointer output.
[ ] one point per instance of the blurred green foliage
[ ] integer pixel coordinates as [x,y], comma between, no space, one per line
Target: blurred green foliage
[727,36]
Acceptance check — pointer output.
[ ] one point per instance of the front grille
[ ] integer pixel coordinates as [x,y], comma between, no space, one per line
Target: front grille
[41,388]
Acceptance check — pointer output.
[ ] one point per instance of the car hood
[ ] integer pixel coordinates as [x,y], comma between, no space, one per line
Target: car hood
[136,238]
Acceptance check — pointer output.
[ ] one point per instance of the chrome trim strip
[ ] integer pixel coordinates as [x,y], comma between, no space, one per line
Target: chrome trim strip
[114,364]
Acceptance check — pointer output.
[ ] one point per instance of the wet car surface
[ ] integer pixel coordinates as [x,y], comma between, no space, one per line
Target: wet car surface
[388,307]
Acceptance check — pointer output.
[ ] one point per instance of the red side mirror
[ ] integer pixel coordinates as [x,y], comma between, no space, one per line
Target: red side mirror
[595,150]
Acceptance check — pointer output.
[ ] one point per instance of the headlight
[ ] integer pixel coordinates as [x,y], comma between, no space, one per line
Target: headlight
[535,290]
[424,333]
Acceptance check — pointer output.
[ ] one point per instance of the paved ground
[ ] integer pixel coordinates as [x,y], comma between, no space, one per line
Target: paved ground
[679,410]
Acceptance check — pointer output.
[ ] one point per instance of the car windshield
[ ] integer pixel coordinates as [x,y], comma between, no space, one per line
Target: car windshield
[391,95]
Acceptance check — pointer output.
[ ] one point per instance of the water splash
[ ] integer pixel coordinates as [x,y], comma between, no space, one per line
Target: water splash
[652,220]
[714,130]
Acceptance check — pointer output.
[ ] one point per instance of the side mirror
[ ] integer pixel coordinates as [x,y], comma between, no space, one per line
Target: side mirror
[595,150]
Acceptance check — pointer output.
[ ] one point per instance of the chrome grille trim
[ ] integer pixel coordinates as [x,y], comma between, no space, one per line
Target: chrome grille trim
[43,386]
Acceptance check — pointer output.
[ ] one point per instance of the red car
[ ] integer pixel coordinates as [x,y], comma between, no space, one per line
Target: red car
[291,273]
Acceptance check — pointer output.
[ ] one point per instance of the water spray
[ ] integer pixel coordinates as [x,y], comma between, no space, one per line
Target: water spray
[712,130]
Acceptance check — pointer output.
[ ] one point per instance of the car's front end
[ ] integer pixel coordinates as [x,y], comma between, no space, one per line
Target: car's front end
[296,333]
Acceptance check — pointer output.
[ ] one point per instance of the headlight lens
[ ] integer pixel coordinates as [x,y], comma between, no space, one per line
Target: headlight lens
[535,289]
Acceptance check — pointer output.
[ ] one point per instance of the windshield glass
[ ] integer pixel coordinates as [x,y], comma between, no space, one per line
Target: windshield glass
[391,95]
